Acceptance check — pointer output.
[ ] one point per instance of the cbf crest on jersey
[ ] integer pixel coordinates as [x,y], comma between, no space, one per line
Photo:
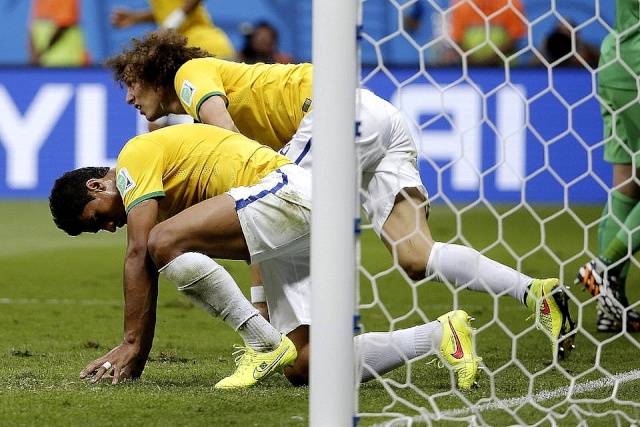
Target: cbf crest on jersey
[187,91]
[124,182]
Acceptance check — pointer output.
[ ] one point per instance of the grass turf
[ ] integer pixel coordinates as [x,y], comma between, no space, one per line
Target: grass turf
[61,304]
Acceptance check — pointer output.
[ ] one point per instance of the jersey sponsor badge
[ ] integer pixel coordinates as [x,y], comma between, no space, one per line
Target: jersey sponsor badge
[124,182]
[307,105]
[187,91]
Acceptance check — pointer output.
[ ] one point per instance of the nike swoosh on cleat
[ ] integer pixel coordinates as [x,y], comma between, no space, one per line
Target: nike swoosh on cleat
[259,372]
[545,305]
[458,354]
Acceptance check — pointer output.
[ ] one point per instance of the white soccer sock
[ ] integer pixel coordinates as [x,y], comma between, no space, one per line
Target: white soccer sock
[382,352]
[466,267]
[212,288]
[259,334]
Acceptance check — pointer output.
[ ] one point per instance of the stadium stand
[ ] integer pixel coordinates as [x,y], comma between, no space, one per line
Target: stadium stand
[293,20]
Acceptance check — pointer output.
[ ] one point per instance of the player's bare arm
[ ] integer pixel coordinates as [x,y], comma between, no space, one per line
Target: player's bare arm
[177,17]
[123,18]
[213,111]
[127,360]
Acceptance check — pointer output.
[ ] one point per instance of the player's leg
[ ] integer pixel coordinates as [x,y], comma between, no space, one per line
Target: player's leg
[615,250]
[381,352]
[618,236]
[396,204]
[275,217]
[241,224]
[377,352]
[288,292]
[622,131]
[614,214]
[287,288]
[618,240]
[183,246]
[298,374]
[408,237]
[210,227]
[615,233]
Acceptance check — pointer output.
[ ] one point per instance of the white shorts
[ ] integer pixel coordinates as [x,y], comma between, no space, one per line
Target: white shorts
[386,154]
[275,216]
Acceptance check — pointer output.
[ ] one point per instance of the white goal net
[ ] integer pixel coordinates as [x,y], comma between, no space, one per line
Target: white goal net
[511,155]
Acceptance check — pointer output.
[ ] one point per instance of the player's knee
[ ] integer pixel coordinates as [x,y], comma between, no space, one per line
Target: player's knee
[415,267]
[160,245]
[298,374]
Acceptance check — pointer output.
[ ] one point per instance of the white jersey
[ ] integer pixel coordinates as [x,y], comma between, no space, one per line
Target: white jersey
[386,154]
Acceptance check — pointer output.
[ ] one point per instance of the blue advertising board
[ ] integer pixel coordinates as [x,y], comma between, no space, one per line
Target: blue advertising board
[535,136]
[531,135]
[54,120]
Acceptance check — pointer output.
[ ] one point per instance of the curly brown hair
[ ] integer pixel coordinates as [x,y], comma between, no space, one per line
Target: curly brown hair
[153,60]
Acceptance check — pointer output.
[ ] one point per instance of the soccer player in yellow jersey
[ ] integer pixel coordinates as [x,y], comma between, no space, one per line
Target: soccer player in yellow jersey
[272,104]
[188,193]
[189,17]
[191,192]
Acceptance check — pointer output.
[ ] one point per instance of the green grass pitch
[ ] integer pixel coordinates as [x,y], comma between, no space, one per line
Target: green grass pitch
[61,307]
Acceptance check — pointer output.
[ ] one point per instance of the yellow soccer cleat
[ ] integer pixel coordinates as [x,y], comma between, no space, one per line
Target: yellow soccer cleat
[548,299]
[253,367]
[457,347]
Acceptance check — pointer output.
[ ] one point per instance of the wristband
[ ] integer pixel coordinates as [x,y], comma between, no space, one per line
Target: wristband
[175,19]
[257,294]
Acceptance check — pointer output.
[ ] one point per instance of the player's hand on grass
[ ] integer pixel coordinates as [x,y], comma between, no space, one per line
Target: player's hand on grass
[133,370]
[118,365]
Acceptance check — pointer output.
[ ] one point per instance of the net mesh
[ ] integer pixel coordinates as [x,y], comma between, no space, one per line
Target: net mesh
[511,155]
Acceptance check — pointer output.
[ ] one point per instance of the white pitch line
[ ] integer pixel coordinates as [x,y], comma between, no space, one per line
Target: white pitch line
[542,396]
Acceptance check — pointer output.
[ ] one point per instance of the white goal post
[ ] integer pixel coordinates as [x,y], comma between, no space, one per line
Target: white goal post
[333,266]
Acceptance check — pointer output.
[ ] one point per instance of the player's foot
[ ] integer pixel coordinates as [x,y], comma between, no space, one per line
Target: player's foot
[457,347]
[606,322]
[611,307]
[253,367]
[548,300]
[591,276]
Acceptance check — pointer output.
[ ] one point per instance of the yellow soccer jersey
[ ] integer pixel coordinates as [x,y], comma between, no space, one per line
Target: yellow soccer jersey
[198,28]
[162,8]
[261,105]
[184,164]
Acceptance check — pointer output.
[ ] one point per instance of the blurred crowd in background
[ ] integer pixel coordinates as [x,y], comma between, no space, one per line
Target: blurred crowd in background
[404,33]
